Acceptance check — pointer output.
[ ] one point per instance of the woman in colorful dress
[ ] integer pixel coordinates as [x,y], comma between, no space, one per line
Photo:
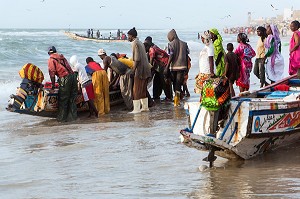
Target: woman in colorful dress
[294,48]
[245,52]
[274,62]
[219,52]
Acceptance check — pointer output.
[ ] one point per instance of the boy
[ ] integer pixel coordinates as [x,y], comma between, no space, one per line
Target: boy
[232,67]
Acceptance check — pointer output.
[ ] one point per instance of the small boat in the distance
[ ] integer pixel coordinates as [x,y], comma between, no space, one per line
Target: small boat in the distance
[76,36]
[256,122]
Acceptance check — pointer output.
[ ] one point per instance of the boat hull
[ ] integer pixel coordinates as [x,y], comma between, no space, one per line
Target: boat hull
[254,125]
[83,38]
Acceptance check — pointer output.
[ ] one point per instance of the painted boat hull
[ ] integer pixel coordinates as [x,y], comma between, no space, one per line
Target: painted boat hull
[255,125]
[83,38]
[45,103]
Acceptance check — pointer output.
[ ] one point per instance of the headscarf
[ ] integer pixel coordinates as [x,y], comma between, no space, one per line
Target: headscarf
[277,43]
[207,38]
[216,32]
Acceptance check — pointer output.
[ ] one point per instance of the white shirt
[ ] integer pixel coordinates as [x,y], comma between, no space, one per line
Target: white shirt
[206,52]
[82,75]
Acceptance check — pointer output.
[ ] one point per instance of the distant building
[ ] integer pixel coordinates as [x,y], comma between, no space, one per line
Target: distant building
[296,15]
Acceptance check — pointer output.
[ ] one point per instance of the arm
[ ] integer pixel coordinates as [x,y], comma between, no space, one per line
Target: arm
[271,49]
[52,71]
[297,43]
[211,65]
[219,58]
[106,62]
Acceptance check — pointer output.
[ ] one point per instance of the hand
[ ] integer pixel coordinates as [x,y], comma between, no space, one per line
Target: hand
[166,71]
[224,80]
[51,90]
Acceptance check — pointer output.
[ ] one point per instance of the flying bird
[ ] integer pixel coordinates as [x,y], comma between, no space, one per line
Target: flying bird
[43,1]
[102,6]
[273,8]
[227,16]
[169,18]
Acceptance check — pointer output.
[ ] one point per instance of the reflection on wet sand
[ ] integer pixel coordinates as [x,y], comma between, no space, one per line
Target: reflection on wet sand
[273,175]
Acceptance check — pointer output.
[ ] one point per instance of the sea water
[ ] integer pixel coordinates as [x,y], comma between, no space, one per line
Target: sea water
[121,155]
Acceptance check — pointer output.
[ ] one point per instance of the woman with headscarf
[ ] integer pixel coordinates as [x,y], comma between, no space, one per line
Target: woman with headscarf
[206,62]
[218,51]
[259,66]
[245,52]
[294,64]
[274,62]
[177,63]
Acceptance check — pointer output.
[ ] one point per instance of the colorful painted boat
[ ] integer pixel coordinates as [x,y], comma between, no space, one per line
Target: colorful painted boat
[40,101]
[84,38]
[257,122]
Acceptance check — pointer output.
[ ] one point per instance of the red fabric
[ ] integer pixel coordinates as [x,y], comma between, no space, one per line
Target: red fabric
[56,67]
[160,56]
[282,87]
[88,92]
[95,66]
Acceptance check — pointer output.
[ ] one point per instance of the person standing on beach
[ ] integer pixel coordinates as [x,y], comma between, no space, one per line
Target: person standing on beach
[206,62]
[232,67]
[141,71]
[259,65]
[245,53]
[86,84]
[218,50]
[67,92]
[177,63]
[294,64]
[158,58]
[100,85]
[274,62]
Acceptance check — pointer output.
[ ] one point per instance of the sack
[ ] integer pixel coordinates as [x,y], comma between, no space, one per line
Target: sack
[31,72]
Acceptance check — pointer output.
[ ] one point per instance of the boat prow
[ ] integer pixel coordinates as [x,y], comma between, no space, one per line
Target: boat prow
[256,123]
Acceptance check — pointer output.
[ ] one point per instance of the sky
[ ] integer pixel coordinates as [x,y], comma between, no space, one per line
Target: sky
[142,14]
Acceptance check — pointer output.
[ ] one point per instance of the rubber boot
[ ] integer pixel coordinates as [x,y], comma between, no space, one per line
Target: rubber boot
[144,102]
[136,106]
[177,99]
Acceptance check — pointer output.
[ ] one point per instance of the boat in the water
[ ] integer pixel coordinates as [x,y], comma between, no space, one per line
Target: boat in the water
[76,36]
[256,122]
[34,98]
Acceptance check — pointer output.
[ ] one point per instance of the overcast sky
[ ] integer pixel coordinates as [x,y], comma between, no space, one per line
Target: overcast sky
[184,14]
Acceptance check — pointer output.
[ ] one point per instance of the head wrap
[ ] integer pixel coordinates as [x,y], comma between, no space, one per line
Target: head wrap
[206,37]
[51,50]
[148,39]
[216,32]
[132,32]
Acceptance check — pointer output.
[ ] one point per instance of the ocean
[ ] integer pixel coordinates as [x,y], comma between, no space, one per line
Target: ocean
[121,155]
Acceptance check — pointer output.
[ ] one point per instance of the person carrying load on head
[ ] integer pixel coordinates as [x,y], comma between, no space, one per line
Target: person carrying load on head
[67,91]
[85,84]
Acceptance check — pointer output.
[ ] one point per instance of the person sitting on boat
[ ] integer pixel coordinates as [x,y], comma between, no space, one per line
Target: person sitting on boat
[124,73]
[100,85]
[59,66]
[158,58]
[85,84]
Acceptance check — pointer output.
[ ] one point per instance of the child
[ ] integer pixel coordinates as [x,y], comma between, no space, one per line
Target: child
[232,68]
[245,53]
[85,83]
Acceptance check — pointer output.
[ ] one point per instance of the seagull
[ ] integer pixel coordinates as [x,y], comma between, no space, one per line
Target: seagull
[226,17]
[43,1]
[102,6]
[273,7]
[169,18]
